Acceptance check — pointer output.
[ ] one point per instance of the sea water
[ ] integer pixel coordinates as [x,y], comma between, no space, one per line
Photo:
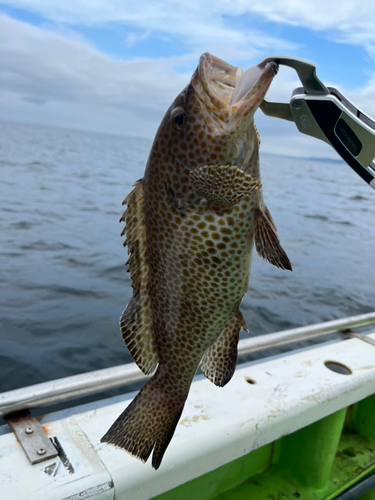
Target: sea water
[63,276]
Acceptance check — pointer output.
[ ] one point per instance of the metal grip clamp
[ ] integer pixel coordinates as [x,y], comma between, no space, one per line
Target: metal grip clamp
[323,112]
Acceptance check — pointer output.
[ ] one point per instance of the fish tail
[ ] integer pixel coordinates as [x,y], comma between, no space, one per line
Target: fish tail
[147,424]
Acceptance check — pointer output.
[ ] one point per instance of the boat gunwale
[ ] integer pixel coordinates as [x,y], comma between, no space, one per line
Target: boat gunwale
[84,384]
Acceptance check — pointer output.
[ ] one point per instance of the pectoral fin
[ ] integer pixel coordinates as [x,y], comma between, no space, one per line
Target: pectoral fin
[267,241]
[136,320]
[219,361]
[223,185]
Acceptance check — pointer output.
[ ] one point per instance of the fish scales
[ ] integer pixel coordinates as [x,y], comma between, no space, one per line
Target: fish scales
[191,225]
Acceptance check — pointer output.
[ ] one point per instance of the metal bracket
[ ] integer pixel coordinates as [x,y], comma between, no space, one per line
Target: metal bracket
[311,85]
[31,436]
[277,109]
[305,71]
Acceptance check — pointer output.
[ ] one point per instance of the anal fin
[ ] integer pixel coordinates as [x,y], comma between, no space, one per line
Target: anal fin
[223,185]
[267,241]
[220,359]
[136,321]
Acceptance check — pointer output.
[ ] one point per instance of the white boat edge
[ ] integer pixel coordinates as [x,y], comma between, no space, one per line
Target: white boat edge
[216,427]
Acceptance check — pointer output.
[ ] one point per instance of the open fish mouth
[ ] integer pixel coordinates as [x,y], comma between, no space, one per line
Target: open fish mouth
[228,86]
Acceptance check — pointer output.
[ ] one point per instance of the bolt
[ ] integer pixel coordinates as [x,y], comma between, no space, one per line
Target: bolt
[29,430]
[297,104]
[41,451]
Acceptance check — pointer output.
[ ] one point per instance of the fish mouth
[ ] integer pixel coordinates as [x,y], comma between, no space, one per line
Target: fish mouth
[231,87]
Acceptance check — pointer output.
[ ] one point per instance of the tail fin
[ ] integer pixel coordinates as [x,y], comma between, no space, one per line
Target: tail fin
[147,424]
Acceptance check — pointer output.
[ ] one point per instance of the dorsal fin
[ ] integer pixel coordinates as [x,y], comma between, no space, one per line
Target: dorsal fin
[136,321]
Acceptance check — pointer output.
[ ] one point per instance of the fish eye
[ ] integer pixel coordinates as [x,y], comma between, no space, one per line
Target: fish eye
[178,118]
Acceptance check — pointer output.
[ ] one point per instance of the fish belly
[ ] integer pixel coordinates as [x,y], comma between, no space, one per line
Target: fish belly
[199,272]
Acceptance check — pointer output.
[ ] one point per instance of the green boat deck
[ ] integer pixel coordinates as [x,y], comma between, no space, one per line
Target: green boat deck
[318,462]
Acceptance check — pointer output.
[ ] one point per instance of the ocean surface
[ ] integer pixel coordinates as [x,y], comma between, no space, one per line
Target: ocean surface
[63,277]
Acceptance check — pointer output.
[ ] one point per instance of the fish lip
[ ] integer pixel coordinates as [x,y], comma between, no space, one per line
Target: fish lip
[252,98]
[212,69]
[203,81]
[269,63]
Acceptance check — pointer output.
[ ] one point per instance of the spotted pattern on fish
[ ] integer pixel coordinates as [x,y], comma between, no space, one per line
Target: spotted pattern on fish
[192,244]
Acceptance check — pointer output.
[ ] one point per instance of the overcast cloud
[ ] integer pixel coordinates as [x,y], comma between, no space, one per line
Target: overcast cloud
[56,73]
[344,15]
[53,74]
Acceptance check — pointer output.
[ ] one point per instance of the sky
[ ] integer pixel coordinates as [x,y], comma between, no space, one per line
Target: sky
[115,66]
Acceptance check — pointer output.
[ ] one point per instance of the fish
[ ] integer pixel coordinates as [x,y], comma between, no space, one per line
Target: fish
[190,225]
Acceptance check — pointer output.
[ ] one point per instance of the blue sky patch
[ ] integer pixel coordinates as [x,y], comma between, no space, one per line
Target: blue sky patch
[83,90]
[336,62]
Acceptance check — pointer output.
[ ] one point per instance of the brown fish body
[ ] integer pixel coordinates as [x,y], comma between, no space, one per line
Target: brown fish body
[191,224]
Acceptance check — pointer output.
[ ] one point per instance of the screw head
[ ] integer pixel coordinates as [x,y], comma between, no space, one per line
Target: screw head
[297,104]
[29,430]
[41,451]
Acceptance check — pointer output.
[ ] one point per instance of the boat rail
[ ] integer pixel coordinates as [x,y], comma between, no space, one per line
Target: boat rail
[64,389]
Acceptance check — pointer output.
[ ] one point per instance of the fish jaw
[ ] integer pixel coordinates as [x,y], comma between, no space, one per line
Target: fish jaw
[229,93]
[214,131]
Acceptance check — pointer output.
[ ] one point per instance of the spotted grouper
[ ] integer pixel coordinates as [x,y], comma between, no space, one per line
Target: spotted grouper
[190,227]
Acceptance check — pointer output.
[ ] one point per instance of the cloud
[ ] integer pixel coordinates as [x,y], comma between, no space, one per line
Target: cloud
[34,100]
[344,21]
[205,19]
[58,78]
[38,66]
[134,38]
[199,24]
[42,64]
[317,15]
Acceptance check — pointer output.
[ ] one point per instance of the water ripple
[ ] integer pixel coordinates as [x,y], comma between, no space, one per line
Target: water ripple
[63,263]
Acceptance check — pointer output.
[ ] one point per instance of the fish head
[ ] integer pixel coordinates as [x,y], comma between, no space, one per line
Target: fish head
[211,121]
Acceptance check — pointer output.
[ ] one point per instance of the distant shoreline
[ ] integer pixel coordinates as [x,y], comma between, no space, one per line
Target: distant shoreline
[309,158]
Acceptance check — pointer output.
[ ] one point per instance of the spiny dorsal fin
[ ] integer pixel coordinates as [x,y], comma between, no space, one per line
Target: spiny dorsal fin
[267,242]
[220,359]
[136,321]
[223,185]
